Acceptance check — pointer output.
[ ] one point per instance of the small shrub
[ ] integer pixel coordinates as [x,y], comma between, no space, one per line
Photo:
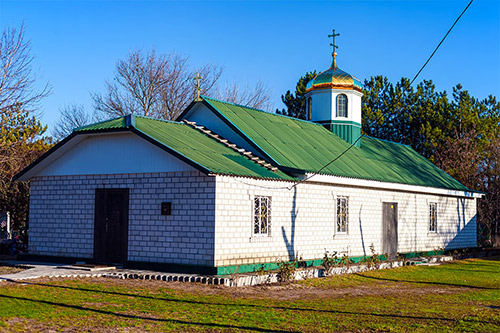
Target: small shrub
[372,261]
[302,263]
[401,257]
[375,258]
[262,271]
[330,261]
[286,270]
[437,250]
[345,261]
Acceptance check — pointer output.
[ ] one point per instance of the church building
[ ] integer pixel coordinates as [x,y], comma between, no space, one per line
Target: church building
[229,188]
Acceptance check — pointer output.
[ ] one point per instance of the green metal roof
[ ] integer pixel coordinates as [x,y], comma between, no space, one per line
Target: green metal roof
[190,145]
[107,124]
[307,146]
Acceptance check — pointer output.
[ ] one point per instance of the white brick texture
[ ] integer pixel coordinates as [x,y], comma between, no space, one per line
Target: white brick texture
[62,216]
[212,219]
[303,221]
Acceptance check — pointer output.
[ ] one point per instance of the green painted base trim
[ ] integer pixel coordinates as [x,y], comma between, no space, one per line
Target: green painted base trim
[423,254]
[271,266]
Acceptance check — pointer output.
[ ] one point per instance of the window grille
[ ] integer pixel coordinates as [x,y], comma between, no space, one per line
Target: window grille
[342,105]
[433,217]
[342,214]
[262,216]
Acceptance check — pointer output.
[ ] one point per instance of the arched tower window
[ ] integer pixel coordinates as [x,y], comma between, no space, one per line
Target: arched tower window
[308,108]
[342,105]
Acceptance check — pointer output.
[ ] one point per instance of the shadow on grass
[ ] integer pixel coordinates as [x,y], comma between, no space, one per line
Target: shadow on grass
[492,258]
[473,270]
[264,307]
[127,316]
[485,264]
[426,282]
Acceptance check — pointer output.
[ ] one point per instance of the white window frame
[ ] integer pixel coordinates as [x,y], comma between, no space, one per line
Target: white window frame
[338,215]
[433,217]
[308,108]
[337,113]
[258,229]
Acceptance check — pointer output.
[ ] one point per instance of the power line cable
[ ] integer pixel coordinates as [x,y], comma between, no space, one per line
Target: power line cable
[441,42]
[378,118]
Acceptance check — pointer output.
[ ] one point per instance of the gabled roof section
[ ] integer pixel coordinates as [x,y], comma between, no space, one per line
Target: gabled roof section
[184,142]
[203,150]
[303,145]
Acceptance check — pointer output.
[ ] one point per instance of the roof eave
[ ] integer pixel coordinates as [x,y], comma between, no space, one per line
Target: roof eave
[369,183]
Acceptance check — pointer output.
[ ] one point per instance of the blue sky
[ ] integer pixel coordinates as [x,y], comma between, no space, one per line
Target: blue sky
[77,43]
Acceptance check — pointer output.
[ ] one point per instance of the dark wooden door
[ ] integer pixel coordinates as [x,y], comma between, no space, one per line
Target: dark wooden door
[111,225]
[390,228]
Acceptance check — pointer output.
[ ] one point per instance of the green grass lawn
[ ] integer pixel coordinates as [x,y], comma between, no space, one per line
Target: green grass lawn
[458,296]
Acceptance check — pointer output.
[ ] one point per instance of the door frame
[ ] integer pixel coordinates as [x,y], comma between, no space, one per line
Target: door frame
[385,242]
[98,251]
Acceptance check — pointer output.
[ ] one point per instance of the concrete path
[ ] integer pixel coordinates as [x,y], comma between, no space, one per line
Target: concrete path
[45,269]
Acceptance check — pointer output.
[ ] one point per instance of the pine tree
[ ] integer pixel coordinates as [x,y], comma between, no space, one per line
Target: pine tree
[21,142]
[296,104]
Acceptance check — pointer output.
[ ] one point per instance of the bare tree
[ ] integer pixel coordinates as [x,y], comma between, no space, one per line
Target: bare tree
[258,98]
[153,85]
[21,134]
[71,117]
[16,76]
[162,86]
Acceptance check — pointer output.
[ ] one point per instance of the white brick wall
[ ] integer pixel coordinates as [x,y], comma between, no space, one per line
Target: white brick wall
[211,222]
[303,221]
[62,216]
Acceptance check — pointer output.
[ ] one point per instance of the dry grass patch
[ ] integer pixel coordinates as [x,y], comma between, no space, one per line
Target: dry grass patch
[10,270]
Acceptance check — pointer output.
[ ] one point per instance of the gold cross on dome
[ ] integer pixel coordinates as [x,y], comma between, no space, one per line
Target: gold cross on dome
[197,78]
[333,35]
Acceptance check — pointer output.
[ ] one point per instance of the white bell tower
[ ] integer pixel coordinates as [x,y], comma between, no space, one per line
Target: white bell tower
[333,99]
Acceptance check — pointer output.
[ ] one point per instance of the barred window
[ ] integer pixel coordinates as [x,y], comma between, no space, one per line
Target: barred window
[342,214]
[433,217]
[341,105]
[262,216]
